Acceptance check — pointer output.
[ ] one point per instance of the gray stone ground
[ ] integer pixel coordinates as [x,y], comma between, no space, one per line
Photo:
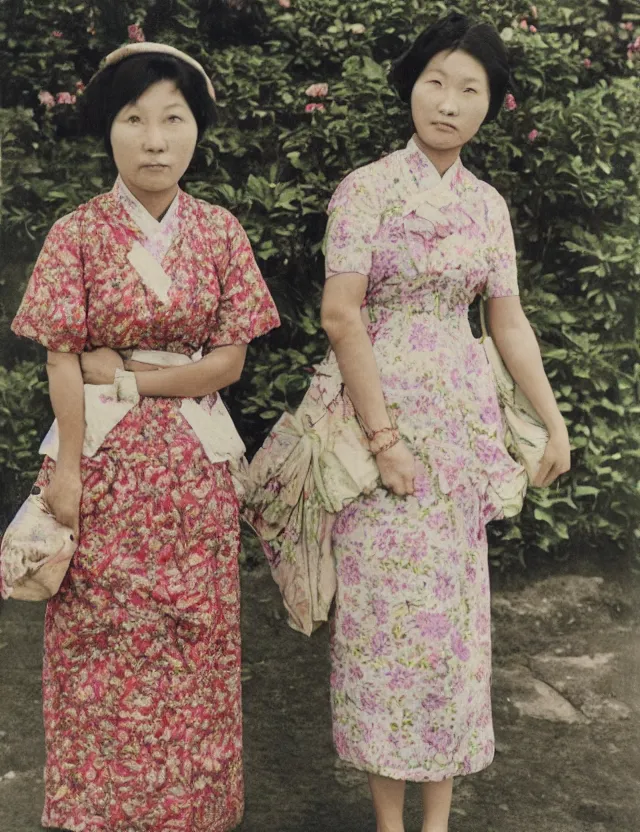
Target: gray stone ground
[566,703]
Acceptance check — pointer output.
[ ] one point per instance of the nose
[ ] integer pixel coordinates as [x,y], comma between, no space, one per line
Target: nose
[449,104]
[154,139]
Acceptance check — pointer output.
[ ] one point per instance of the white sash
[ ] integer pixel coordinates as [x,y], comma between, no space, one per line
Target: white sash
[209,419]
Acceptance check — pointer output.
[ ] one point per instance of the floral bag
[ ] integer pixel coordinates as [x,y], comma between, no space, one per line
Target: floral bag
[313,463]
[35,552]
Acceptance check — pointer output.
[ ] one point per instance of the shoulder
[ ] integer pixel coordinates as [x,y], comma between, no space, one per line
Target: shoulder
[366,185]
[494,202]
[214,217]
[89,213]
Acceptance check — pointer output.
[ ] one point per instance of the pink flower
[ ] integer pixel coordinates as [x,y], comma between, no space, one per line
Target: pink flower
[317,90]
[587,63]
[509,102]
[524,25]
[46,98]
[358,29]
[80,86]
[311,107]
[135,33]
[65,98]
[349,571]
[432,625]
[286,4]
[533,29]
[459,648]
[533,135]
[444,587]
[57,33]
[350,627]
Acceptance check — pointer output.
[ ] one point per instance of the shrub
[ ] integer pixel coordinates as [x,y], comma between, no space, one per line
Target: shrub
[566,160]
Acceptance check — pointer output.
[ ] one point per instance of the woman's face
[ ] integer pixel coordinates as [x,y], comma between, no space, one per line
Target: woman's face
[450,100]
[153,139]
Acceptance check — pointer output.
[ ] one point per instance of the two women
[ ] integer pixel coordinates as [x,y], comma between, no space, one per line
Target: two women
[142,708]
[141,686]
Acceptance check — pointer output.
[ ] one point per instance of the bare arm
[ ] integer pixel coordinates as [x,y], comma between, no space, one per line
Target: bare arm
[222,367]
[343,322]
[518,346]
[67,399]
[215,371]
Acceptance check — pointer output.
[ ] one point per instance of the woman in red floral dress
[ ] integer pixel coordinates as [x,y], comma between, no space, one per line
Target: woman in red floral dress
[142,703]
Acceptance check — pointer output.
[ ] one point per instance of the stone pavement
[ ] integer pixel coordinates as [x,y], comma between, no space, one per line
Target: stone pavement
[566,704]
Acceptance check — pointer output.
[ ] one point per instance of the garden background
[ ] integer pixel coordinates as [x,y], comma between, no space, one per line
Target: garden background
[565,153]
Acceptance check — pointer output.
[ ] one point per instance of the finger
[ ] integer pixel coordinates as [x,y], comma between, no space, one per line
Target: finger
[542,473]
[553,474]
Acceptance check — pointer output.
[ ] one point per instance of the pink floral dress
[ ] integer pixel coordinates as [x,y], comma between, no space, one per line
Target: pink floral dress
[411,650]
[142,698]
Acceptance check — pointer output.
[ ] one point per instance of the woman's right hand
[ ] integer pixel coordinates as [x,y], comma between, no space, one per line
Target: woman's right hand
[397,468]
[63,495]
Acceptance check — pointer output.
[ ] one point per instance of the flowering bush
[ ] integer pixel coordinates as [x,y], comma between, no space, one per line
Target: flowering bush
[302,100]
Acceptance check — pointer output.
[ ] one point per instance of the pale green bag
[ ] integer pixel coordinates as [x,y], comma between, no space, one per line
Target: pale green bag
[526,437]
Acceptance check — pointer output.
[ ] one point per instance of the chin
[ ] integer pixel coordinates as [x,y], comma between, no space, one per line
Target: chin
[438,141]
[153,182]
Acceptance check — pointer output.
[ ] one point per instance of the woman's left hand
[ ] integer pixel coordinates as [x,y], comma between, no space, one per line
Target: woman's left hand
[556,459]
[99,366]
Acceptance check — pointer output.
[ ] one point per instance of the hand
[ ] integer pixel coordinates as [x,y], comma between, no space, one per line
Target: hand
[141,366]
[397,469]
[556,459]
[63,495]
[99,366]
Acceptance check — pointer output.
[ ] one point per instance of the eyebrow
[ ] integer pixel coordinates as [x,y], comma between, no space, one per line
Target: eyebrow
[471,79]
[166,107]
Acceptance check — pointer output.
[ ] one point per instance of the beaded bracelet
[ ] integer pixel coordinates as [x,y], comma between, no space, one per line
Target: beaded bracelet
[379,447]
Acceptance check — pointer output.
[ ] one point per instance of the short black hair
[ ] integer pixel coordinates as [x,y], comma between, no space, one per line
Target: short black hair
[456,31]
[124,82]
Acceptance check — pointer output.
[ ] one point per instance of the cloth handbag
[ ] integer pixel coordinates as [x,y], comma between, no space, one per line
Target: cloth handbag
[35,552]
[526,435]
[313,463]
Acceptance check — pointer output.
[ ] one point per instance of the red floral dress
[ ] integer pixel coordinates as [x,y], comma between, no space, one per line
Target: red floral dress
[142,696]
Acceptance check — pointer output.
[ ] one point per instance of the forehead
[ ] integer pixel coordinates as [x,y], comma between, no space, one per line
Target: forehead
[458,64]
[160,94]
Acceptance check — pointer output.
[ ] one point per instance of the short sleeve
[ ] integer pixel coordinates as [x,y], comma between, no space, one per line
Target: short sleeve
[246,309]
[53,309]
[503,274]
[354,218]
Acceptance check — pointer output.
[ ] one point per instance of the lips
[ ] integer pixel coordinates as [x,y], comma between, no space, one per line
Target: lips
[444,124]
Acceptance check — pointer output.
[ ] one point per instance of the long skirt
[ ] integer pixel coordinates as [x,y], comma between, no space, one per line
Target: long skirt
[142,696]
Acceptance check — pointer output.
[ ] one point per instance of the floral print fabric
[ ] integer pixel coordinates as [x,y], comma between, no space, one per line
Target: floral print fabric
[142,707]
[411,652]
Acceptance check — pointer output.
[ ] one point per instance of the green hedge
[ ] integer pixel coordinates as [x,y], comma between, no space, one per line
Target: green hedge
[572,187]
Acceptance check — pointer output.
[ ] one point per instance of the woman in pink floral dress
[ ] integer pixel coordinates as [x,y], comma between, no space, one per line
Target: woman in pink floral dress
[142,707]
[412,240]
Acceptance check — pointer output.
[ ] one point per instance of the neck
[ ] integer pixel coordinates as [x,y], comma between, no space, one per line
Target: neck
[156,203]
[441,159]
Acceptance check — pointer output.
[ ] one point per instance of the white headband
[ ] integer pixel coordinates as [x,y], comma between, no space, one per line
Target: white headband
[146,47]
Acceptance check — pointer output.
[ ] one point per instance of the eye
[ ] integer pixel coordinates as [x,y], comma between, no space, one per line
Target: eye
[174,119]
[470,89]
[435,81]
[133,119]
